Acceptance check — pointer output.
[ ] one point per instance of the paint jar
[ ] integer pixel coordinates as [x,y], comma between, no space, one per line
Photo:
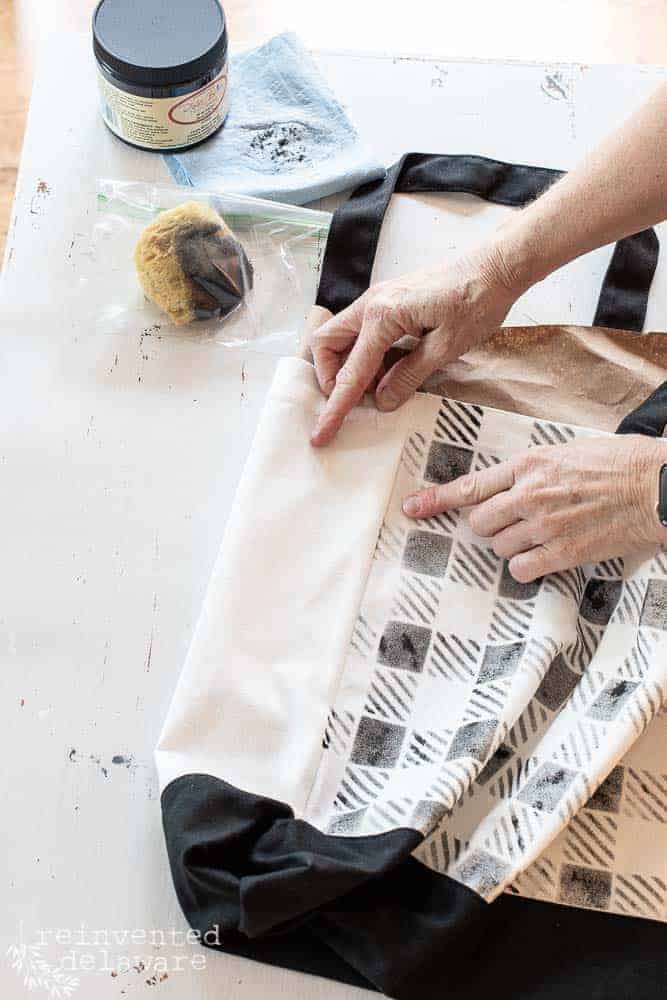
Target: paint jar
[162,70]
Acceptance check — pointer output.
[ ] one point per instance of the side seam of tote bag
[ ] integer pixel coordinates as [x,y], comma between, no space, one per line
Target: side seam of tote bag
[359,686]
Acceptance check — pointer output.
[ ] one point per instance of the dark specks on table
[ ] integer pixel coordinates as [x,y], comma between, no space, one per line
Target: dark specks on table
[42,191]
[121,761]
[554,86]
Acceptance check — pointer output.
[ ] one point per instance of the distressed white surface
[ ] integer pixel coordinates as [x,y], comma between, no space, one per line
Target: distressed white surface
[119,456]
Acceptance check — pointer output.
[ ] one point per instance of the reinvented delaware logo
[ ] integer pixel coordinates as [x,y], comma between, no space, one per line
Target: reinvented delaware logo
[36,973]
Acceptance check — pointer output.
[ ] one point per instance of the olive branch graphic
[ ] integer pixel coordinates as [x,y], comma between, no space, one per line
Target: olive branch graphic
[28,963]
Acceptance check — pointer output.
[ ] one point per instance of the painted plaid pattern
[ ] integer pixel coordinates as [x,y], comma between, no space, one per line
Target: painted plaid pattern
[489,714]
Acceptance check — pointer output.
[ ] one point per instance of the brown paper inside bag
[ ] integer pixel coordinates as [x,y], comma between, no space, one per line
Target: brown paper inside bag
[574,374]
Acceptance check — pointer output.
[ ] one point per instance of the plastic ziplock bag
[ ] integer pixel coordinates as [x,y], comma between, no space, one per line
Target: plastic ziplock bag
[283,244]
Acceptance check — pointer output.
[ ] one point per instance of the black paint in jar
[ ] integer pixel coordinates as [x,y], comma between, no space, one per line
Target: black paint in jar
[162,70]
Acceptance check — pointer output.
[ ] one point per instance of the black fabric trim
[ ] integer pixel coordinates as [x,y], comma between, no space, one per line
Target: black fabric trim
[361,910]
[273,884]
[355,230]
[650,417]
[546,951]
[625,289]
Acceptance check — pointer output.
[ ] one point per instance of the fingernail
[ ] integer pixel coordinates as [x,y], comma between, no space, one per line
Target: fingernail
[386,399]
[411,505]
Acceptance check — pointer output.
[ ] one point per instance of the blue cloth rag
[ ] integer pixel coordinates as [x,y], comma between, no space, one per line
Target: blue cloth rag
[286,136]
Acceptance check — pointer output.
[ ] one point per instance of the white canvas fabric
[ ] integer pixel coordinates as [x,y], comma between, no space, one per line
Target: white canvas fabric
[376,673]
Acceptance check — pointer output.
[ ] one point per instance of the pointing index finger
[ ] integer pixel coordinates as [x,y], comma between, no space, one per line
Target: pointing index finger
[331,339]
[466,491]
[352,380]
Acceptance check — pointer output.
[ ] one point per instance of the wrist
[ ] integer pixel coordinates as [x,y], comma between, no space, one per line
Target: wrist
[652,456]
[513,257]
[526,245]
[498,267]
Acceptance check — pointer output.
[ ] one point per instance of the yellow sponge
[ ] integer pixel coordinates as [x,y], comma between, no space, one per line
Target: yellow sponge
[190,264]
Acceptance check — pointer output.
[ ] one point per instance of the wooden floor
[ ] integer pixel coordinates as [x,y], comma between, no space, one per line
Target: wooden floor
[592,31]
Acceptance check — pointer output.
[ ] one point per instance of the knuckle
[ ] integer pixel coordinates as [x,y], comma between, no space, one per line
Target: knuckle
[318,345]
[440,343]
[540,480]
[473,517]
[468,487]
[500,547]
[575,552]
[543,557]
[477,522]
[346,376]
[429,498]
[531,495]
[524,463]
[559,523]
[540,526]
[535,461]
[381,305]
[405,380]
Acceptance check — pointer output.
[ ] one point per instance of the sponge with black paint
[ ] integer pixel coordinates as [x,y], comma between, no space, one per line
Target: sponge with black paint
[190,264]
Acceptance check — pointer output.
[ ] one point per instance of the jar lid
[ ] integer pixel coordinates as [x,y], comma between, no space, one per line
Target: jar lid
[156,43]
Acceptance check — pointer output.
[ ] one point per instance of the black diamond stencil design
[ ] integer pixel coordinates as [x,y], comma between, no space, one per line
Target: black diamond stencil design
[473,740]
[599,600]
[501,757]
[585,886]
[608,796]
[547,787]
[403,646]
[428,814]
[377,743]
[482,872]
[611,700]
[347,823]
[509,587]
[654,611]
[557,685]
[500,661]
[427,553]
[447,462]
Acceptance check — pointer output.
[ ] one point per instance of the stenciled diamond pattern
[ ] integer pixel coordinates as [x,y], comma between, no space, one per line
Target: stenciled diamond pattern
[492,715]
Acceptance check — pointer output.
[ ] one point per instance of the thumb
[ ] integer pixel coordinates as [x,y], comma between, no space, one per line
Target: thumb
[405,377]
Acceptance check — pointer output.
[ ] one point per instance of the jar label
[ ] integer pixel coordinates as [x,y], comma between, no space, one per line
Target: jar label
[164,122]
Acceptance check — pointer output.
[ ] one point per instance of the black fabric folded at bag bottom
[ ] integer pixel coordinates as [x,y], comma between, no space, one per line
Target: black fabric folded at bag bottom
[254,881]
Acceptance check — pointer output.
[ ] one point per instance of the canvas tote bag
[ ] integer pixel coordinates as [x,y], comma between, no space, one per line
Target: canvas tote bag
[378,732]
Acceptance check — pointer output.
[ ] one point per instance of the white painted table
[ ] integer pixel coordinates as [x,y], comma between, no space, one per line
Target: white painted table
[119,456]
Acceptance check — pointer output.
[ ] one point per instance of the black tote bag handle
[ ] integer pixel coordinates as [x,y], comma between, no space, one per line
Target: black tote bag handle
[356,225]
[650,417]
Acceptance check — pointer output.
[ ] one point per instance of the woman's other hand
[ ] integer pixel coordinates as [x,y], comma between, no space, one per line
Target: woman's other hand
[554,507]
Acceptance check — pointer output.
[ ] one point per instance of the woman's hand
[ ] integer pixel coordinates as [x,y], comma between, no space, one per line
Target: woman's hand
[451,309]
[555,507]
